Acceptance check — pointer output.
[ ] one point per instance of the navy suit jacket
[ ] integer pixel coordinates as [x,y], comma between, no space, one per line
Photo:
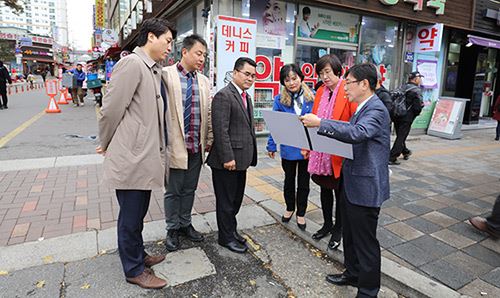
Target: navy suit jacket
[366,176]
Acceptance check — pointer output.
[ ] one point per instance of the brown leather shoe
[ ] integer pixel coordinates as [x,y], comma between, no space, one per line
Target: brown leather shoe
[147,281]
[150,261]
[482,225]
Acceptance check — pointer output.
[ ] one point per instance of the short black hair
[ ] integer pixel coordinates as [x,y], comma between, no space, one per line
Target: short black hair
[306,10]
[191,40]
[364,71]
[286,69]
[79,64]
[331,60]
[240,63]
[156,26]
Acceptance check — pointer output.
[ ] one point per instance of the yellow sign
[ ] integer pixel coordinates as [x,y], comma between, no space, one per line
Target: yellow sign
[100,19]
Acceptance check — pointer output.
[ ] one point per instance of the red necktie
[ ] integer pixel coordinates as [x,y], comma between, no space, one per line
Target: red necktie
[244,98]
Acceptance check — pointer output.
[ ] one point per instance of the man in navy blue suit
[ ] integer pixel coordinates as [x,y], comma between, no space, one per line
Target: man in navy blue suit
[366,178]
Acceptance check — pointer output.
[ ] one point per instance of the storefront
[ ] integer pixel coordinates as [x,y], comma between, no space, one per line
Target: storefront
[472,62]
[383,32]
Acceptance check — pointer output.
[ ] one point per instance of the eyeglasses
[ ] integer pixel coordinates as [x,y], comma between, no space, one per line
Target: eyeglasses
[347,82]
[247,74]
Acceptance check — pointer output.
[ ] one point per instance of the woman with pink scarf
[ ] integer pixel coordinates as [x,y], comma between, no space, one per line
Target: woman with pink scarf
[330,103]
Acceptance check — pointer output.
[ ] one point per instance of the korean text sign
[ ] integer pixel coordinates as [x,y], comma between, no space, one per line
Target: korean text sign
[428,38]
[236,38]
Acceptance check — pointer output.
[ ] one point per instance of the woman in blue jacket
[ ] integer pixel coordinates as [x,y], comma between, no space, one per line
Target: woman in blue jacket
[295,98]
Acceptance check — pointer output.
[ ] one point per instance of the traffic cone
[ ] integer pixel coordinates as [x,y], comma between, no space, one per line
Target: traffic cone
[62,99]
[68,96]
[52,107]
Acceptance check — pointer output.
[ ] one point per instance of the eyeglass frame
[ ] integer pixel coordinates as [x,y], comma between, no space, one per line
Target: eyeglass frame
[247,74]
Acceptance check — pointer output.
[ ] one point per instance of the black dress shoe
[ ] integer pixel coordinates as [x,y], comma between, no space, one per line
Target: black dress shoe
[172,240]
[333,244]
[394,162]
[5,107]
[407,155]
[235,246]
[286,219]
[191,233]
[321,233]
[239,238]
[341,280]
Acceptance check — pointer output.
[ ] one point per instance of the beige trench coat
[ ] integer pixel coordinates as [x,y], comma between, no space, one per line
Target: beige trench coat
[131,127]
[177,152]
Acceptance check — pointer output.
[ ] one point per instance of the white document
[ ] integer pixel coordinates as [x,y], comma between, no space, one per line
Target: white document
[286,129]
[329,145]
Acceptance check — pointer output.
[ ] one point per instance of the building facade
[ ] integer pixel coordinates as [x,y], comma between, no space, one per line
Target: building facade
[397,36]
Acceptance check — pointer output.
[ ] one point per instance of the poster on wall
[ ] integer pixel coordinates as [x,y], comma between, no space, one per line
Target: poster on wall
[270,16]
[235,38]
[319,23]
[428,38]
[428,68]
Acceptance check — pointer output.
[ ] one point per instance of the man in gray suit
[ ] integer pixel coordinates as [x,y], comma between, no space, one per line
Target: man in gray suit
[234,149]
[366,178]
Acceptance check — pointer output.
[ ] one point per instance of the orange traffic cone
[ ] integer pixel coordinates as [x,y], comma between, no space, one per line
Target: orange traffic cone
[68,96]
[52,107]
[62,99]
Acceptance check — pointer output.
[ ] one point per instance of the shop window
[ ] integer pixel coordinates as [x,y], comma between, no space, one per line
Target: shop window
[378,46]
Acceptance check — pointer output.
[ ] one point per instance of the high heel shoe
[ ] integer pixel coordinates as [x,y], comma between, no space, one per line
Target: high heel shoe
[301,226]
[287,219]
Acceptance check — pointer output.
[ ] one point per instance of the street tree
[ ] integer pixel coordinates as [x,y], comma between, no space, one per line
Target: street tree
[14,4]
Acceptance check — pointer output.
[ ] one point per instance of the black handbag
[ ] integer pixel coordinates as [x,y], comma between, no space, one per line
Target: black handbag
[328,182]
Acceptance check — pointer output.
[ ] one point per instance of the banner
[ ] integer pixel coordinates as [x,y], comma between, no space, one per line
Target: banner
[99,14]
[428,38]
[428,68]
[319,23]
[235,38]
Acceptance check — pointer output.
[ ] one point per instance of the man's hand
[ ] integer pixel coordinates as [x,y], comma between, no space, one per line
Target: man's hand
[310,120]
[99,150]
[230,165]
[271,154]
[305,153]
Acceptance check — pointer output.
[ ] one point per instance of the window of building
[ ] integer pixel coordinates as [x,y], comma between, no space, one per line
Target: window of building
[378,46]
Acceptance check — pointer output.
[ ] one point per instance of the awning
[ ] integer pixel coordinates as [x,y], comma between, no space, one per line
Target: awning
[485,42]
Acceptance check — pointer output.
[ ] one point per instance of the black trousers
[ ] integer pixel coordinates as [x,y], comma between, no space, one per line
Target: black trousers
[498,130]
[402,130]
[133,208]
[3,93]
[296,169]
[361,247]
[229,188]
[326,196]
[494,219]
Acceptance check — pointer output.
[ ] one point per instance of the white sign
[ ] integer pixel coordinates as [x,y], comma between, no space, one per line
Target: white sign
[428,38]
[109,36]
[428,68]
[236,38]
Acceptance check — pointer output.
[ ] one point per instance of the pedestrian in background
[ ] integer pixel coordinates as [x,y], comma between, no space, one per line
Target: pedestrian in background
[295,98]
[77,92]
[330,103]
[496,116]
[365,179]
[402,125]
[4,79]
[133,139]
[233,151]
[491,224]
[190,135]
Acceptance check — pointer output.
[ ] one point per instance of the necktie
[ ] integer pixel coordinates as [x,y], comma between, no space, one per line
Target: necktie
[244,98]
[188,103]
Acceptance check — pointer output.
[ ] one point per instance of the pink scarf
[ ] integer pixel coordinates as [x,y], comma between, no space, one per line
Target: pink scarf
[320,163]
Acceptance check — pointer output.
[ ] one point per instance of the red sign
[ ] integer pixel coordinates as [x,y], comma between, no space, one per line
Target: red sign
[429,38]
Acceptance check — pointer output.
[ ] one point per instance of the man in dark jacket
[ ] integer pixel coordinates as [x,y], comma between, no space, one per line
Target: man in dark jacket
[4,78]
[383,93]
[402,124]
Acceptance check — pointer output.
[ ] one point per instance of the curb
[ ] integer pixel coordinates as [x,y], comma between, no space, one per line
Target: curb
[50,162]
[80,246]
[394,276]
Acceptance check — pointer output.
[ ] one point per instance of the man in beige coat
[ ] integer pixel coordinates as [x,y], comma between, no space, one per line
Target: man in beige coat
[132,136]
[189,136]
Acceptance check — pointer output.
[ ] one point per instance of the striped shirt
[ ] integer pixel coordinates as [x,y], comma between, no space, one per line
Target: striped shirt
[192,138]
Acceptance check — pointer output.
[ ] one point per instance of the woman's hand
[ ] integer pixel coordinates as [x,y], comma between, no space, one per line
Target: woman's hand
[271,154]
[305,153]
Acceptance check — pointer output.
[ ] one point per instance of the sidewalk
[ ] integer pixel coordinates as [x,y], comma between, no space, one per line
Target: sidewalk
[423,227]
